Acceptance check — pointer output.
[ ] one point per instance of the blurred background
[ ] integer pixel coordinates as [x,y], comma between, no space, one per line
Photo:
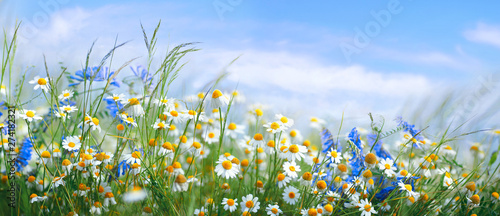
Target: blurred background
[433,63]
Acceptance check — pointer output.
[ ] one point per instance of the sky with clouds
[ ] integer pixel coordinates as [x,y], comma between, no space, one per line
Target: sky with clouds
[302,58]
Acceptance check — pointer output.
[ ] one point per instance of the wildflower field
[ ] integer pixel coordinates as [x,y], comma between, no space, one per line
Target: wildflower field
[101,141]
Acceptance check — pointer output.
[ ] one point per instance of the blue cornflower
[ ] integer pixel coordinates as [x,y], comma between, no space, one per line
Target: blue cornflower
[101,74]
[25,153]
[379,150]
[357,161]
[144,75]
[408,128]
[384,193]
[111,106]
[123,167]
[328,143]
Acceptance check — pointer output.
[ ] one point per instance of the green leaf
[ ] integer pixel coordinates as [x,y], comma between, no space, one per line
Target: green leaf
[493,158]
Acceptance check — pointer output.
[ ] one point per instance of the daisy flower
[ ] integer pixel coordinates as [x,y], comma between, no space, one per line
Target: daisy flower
[71,143]
[200,212]
[69,108]
[230,204]
[284,121]
[317,123]
[273,210]
[341,170]
[291,169]
[406,188]
[258,140]
[495,197]
[334,156]
[233,130]
[46,157]
[160,125]
[306,179]
[218,99]
[309,212]
[167,103]
[66,94]
[250,203]
[366,208]
[283,180]
[133,157]
[175,116]
[42,83]
[211,136]
[180,184]
[96,208]
[294,152]
[116,97]
[274,127]
[135,195]
[109,199]
[29,115]
[226,168]
[93,123]
[36,198]
[135,107]
[386,165]
[61,114]
[447,150]
[129,120]
[291,195]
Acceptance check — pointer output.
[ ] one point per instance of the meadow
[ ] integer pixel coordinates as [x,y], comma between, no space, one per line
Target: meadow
[106,143]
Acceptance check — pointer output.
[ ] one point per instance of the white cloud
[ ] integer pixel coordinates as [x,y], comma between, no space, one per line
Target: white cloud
[484,33]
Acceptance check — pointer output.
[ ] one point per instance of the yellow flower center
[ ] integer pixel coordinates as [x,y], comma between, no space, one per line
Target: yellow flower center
[258,112]
[136,155]
[334,154]
[292,168]
[258,137]
[216,94]
[274,210]
[116,98]
[475,199]
[387,166]
[368,207]
[133,101]
[174,113]
[30,114]
[293,133]
[342,167]
[321,185]
[448,147]
[230,202]
[45,154]
[211,135]
[367,174]
[130,119]
[312,212]
[370,158]
[284,119]
[293,148]
[191,112]
[275,126]
[408,187]
[227,165]
[403,172]
[307,176]
[232,126]
[95,121]
[249,204]
[281,177]
[291,195]
[42,81]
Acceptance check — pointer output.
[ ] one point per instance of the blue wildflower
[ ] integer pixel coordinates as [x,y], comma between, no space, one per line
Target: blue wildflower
[123,167]
[379,150]
[357,161]
[101,74]
[384,193]
[25,153]
[409,128]
[112,106]
[328,143]
[144,75]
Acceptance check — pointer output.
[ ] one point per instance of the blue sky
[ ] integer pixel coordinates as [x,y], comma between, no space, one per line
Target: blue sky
[289,49]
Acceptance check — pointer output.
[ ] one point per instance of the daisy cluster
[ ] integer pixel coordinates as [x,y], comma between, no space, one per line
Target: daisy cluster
[101,146]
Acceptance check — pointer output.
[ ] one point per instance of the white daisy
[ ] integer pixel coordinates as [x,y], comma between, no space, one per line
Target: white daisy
[135,108]
[29,115]
[129,120]
[282,180]
[169,104]
[294,152]
[386,165]
[42,83]
[66,94]
[218,99]
[291,169]
[291,195]
[133,157]
[230,204]
[366,208]
[274,127]
[226,168]
[250,203]
[273,210]
[284,121]
[69,108]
